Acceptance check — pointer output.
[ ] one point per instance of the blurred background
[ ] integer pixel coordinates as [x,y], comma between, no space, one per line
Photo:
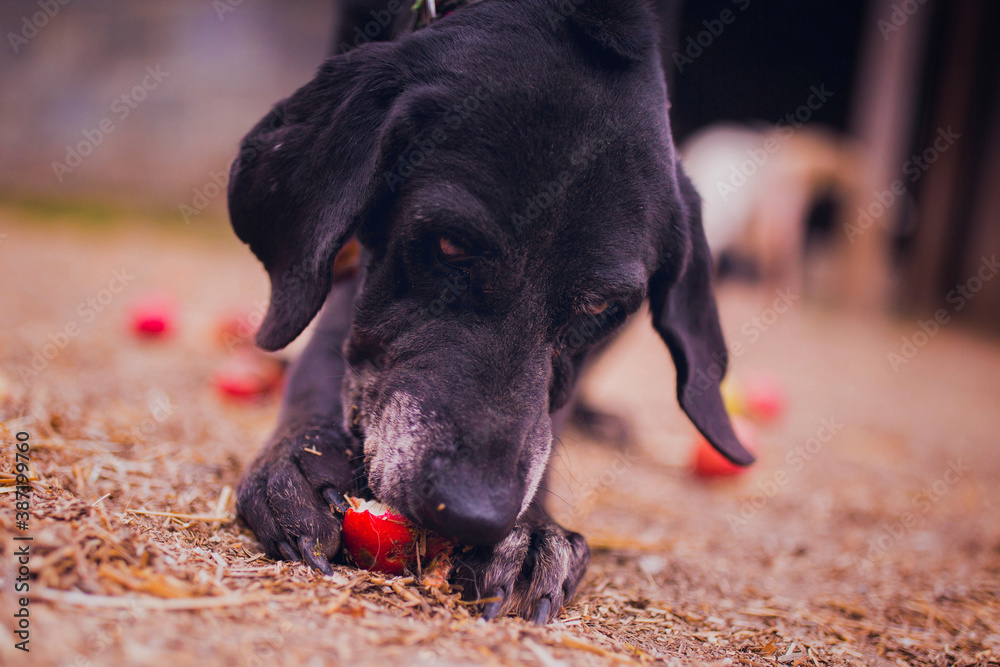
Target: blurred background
[110,103]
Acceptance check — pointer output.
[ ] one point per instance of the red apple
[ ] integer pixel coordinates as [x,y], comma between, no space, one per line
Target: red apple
[709,463]
[381,540]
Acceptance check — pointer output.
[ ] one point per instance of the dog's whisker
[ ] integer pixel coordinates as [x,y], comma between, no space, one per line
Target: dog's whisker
[555,495]
[561,470]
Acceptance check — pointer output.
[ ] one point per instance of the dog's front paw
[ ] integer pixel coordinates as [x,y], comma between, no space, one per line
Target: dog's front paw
[287,494]
[531,573]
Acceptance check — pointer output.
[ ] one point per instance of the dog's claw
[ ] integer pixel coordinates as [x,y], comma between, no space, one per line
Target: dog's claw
[288,552]
[531,572]
[284,496]
[307,547]
[491,609]
[542,613]
[336,500]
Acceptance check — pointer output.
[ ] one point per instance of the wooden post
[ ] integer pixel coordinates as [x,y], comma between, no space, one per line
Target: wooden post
[882,118]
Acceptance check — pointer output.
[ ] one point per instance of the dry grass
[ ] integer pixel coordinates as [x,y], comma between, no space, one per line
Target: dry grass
[137,559]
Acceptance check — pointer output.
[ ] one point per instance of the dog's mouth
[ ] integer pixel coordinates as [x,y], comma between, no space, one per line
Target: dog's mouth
[417,460]
[366,414]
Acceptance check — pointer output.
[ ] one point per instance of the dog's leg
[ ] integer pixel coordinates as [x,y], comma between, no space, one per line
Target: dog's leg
[531,573]
[600,425]
[288,493]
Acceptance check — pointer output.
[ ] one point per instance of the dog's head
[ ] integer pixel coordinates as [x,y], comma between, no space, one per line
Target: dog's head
[511,173]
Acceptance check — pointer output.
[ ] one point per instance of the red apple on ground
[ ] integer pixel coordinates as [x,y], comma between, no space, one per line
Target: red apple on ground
[249,375]
[709,463]
[381,540]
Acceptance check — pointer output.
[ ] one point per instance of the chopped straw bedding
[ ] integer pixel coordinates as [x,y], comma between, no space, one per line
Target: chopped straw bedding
[137,557]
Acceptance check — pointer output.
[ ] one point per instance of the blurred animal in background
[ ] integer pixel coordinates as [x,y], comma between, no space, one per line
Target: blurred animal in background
[759,186]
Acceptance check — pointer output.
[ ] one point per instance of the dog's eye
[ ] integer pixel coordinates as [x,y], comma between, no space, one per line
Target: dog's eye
[450,251]
[594,308]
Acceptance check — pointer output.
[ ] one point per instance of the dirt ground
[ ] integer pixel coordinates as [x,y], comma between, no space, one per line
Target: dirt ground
[869,533]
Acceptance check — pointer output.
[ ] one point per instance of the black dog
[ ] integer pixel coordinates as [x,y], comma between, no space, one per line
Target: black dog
[510,173]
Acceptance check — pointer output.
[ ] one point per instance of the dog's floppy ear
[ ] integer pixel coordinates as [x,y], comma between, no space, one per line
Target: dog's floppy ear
[307,175]
[686,317]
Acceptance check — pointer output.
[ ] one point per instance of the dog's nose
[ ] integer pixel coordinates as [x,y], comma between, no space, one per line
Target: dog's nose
[471,516]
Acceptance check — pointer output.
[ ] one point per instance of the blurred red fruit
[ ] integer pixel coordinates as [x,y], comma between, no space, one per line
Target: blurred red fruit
[152,316]
[765,399]
[249,376]
[710,463]
[382,541]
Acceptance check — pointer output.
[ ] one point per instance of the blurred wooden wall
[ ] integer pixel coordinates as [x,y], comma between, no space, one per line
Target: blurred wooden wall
[957,219]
